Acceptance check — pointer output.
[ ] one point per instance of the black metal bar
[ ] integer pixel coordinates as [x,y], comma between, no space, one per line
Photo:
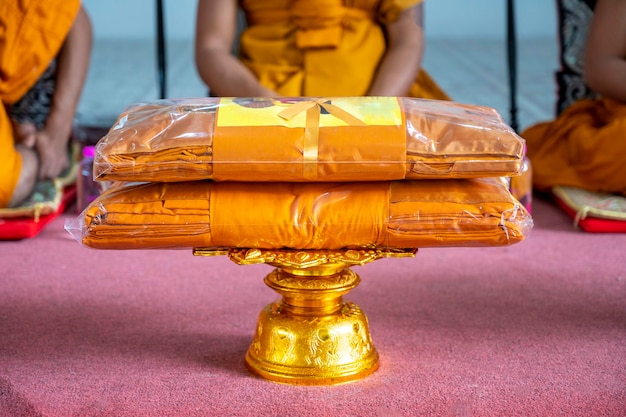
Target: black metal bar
[161,56]
[512,62]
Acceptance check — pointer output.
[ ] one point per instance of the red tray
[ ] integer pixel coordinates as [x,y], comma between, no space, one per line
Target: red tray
[26,227]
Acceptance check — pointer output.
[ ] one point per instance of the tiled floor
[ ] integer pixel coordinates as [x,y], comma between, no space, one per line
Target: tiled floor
[471,71]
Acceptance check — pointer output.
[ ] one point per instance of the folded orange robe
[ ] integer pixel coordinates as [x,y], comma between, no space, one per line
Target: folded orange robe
[304,139]
[583,147]
[396,214]
[322,47]
[31,34]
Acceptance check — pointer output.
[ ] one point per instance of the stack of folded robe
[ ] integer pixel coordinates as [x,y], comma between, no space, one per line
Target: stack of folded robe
[305,173]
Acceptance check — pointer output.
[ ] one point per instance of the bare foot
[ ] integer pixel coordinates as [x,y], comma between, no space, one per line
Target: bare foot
[28,175]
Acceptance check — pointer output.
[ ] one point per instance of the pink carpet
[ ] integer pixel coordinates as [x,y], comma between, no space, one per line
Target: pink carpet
[535,329]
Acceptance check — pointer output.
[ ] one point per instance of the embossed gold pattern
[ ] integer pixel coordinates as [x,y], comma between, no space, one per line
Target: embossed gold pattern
[311,336]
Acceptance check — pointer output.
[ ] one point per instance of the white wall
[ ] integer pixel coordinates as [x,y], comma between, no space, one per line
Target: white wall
[135,19]
[487,18]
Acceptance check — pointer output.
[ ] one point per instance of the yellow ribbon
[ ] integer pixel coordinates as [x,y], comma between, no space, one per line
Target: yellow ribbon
[312,128]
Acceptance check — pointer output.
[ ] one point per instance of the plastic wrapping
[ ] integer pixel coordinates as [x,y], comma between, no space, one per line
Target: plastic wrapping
[521,186]
[343,139]
[393,214]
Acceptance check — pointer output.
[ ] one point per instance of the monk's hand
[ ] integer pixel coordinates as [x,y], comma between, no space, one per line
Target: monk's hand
[24,133]
[53,155]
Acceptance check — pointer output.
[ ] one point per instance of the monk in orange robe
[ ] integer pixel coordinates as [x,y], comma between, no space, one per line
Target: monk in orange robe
[41,41]
[585,146]
[314,48]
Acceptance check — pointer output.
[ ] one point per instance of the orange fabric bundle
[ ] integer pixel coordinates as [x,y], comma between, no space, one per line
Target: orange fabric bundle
[396,214]
[583,147]
[341,139]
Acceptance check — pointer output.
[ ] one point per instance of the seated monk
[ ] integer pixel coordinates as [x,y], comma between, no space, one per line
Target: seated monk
[584,146]
[314,48]
[44,53]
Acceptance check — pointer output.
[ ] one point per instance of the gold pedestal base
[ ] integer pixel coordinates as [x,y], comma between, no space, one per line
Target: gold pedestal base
[311,336]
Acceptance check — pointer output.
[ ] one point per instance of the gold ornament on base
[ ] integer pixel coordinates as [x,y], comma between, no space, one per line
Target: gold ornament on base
[311,336]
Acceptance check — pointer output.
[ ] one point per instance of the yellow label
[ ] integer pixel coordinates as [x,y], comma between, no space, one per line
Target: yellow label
[374,111]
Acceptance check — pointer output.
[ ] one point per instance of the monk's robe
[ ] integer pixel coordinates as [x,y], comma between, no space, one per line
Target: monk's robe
[393,214]
[323,47]
[31,34]
[304,139]
[583,147]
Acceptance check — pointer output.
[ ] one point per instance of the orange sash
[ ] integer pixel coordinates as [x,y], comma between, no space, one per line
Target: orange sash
[31,35]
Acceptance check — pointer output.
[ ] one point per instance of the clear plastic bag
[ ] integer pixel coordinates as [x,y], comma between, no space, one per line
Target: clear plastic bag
[343,139]
[315,215]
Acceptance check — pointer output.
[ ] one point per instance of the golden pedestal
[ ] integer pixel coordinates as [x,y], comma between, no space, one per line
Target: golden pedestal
[311,336]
